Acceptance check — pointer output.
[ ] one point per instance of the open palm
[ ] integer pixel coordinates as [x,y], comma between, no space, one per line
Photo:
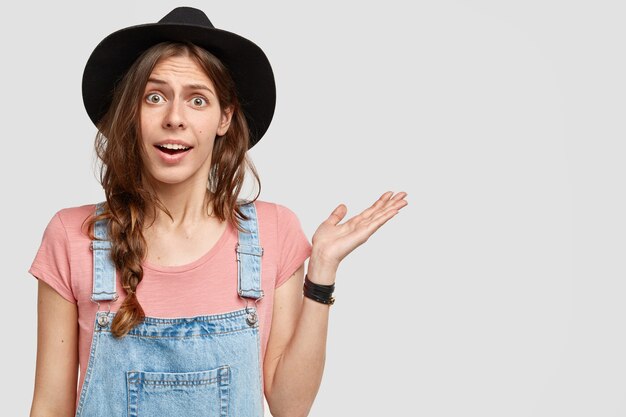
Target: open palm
[333,241]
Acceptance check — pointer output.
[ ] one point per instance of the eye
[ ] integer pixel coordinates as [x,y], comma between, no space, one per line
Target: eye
[199,101]
[154,98]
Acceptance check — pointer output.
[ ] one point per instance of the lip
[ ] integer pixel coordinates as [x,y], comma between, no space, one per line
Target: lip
[174,142]
[174,158]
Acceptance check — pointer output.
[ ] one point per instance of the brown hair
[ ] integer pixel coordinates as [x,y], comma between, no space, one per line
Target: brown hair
[128,197]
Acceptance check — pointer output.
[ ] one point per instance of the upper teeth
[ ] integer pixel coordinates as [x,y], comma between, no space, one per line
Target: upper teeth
[173,146]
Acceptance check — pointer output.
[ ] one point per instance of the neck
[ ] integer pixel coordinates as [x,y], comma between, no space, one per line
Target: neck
[189,205]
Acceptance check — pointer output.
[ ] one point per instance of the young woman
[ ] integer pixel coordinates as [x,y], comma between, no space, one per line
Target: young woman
[175,297]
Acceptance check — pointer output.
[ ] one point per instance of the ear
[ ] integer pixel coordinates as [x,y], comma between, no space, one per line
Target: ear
[227,115]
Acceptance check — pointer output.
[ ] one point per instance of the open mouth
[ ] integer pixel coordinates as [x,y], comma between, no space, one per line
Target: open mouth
[172,150]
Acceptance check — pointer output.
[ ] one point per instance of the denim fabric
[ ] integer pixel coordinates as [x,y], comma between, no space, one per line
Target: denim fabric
[193,366]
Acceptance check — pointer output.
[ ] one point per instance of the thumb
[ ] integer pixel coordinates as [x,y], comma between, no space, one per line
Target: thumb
[337,214]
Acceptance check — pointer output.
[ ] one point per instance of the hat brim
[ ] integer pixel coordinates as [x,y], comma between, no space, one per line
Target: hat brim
[246,62]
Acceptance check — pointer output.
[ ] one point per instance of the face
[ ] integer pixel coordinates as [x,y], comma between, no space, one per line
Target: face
[180,117]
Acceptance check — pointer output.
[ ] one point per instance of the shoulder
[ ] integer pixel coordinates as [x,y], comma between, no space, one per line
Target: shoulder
[274,212]
[75,216]
[68,222]
[73,213]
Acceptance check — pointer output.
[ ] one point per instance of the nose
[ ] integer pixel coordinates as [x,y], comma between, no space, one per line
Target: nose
[174,117]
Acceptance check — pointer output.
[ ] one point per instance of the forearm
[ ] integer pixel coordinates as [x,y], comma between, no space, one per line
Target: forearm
[299,371]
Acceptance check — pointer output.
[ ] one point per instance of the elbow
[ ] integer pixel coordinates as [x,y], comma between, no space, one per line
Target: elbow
[41,410]
[289,396]
[288,407]
[292,412]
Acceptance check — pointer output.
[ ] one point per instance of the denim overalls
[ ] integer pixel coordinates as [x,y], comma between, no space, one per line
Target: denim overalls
[199,366]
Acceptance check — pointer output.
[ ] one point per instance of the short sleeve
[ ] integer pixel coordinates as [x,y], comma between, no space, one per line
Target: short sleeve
[293,246]
[52,261]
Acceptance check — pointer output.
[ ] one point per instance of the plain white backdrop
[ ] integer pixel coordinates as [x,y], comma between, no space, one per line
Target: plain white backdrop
[498,291]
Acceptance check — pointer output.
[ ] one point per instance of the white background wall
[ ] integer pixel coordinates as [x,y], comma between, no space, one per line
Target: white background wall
[499,289]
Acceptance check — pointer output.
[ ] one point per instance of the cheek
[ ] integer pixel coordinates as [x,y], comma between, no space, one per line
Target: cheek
[143,124]
[145,118]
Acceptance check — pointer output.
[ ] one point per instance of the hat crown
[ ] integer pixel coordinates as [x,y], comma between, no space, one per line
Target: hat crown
[187,16]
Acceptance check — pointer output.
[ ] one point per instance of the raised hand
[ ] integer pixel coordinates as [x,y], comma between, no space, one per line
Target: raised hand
[332,242]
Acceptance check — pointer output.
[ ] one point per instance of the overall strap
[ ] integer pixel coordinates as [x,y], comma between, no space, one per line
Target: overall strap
[104,287]
[249,253]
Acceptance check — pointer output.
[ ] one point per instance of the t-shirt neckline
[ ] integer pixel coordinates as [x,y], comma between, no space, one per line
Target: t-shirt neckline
[198,262]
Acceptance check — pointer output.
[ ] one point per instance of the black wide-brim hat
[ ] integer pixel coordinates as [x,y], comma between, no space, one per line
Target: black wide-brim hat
[246,62]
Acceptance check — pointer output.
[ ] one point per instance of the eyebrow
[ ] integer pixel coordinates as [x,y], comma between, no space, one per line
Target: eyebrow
[188,86]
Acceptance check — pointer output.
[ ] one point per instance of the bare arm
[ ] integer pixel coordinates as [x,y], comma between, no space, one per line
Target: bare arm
[296,351]
[56,371]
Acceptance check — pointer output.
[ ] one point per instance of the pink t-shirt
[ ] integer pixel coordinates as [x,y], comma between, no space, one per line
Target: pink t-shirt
[206,286]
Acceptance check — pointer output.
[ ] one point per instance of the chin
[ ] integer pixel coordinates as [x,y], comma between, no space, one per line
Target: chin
[177,174]
[169,177]
[171,180]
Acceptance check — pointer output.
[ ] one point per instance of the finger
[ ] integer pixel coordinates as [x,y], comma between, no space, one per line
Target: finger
[337,214]
[397,201]
[392,199]
[399,196]
[395,208]
[380,219]
[383,204]
[380,203]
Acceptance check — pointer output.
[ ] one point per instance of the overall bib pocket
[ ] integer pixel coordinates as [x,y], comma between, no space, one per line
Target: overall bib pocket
[193,394]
